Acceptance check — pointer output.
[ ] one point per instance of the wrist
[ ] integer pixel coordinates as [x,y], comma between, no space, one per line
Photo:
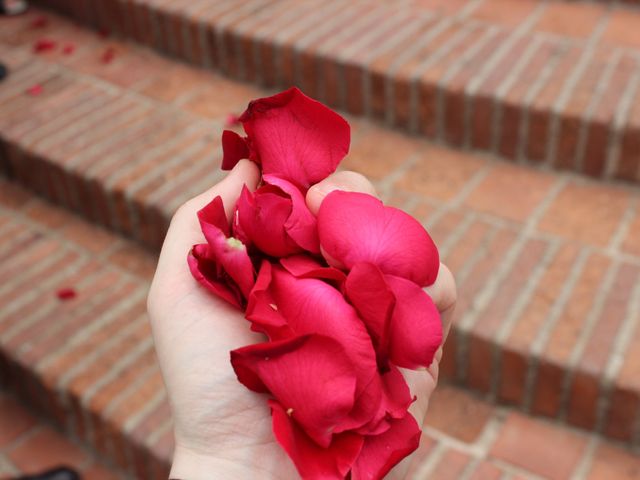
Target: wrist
[189,465]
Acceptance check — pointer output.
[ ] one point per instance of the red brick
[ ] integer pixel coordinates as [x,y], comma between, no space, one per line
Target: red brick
[15,420]
[476,235]
[513,112]
[504,12]
[458,414]
[622,29]
[585,212]
[577,20]
[451,466]
[486,471]
[585,390]
[611,462]
[441,173]
[624,405]
[629,159]
[46,449]
[631,244]
[98,472]
[483,337]
[515,357]
[505,182]
[543,449]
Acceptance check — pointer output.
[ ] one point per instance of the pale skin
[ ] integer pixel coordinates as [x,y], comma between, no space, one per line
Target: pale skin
[222,430]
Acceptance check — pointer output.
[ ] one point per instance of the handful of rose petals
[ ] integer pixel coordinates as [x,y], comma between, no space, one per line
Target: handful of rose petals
[339,296]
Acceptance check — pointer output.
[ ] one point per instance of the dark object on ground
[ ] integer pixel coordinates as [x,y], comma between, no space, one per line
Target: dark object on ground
[3,72]
[60,473]
[13,7]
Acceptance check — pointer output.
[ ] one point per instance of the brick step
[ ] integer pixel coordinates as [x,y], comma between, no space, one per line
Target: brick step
[31,445]
[86,363]
[547,263]
[550,83]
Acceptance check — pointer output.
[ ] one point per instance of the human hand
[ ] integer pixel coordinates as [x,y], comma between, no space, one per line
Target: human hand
[223,430]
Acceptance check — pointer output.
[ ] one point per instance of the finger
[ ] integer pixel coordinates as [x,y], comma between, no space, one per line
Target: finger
[347,181]
[185,230]
[443,293]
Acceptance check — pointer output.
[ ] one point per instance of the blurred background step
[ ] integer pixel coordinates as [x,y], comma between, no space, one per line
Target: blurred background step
[30,445]
[547,262]
[552,83]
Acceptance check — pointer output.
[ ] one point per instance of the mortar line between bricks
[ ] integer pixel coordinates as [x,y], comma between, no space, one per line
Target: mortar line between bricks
[324,49]
[427,467]
[479,78]
[581,471]
[569,87]
[630,327]
[33,295]
[544,333]
[502,90]
[452,71]
[515,313]
[584,336]
[425,39]
[454,238]
[90,357]
[482,300]
[219,28]
[203,27]
[616,131]
[386,185]
[269,13]
[465,31]
[161,429]
[140,349]
[84,333]
[585,120]
[532,92]
[31,271]
[516,472]
[134,420]
[623,229]
[414,28]
[8,465]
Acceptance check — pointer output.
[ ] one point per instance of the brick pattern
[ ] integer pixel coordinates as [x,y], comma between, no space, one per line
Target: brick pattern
[512,78]
[30,445]
[466,437]
[85,362]
[547,264]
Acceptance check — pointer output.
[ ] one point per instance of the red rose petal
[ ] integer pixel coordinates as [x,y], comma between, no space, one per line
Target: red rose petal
[234,149]
[40,22]
[66,293]
[35,90]
[356,227]
[415,331]
[310,375]
[44,45]
[313,462]
[380,453]
[296,138]
[108,55]
[68,49]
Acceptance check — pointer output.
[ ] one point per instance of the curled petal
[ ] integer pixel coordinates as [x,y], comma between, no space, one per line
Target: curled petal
[416,329]
[206,273]
[305,266]
[262,310]
[380,453]
[312,461]
[296,138]
[311,376]
[234,148]
[356,227]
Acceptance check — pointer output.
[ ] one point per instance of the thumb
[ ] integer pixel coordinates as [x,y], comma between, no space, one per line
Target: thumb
[347,181]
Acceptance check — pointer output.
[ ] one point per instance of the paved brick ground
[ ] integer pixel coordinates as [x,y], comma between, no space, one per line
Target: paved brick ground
[553,83]
[547,263]
[30,445]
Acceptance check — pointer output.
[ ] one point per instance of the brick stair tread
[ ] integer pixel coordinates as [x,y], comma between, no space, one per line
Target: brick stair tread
[30,445]
[86,362]
[553,83]
[547,263]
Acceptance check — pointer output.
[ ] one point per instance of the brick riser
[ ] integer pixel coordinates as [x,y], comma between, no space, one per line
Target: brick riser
[110,442]
[468,93]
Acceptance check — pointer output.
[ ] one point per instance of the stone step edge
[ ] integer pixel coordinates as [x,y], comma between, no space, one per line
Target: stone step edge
[599,145]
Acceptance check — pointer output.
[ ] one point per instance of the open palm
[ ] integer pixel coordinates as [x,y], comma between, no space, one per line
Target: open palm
[221,428]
